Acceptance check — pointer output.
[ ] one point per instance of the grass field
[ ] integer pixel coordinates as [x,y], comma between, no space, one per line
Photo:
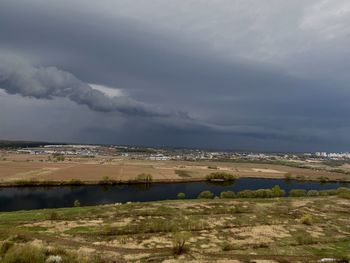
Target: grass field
[219,230]
[24,167]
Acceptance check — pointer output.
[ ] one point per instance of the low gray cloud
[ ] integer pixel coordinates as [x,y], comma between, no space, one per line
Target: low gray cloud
[18,77]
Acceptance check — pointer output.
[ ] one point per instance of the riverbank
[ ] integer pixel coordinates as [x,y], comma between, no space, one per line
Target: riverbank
[110,182]
[277,229]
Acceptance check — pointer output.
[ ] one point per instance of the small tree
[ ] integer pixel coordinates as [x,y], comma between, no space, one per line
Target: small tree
[227,194]
[287,177]
[206,195]
[76,203]
[181,195]
[179,241]
[297,193]
[277,191]
[145,178]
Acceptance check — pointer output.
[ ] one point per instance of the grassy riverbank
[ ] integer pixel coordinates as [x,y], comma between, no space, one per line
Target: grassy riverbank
[281,229]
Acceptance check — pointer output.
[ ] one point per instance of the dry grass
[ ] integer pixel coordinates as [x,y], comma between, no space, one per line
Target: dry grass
[241,230]
[30,167]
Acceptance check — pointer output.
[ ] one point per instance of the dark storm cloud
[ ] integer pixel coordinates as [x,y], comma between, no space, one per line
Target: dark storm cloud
[49,82]
[231,74]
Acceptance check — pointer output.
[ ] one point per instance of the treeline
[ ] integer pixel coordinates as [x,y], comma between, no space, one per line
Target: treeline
[273,192]
[21,144]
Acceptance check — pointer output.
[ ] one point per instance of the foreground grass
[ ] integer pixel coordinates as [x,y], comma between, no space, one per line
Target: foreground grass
[279,229]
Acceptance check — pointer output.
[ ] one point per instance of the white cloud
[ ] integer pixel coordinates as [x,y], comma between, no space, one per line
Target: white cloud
[108,91]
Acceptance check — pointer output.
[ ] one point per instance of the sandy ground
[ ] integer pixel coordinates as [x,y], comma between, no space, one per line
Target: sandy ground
[28,167]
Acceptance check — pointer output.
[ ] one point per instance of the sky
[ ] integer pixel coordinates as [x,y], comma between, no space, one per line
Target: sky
[263,75]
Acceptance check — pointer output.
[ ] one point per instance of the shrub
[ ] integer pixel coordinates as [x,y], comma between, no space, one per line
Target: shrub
[304,239]
[76,203]
[277,191]
[312,193]
[323,179]
[297,193]
[345,195]
[343,190]
[307,219]
[263,193]
[226,246]
[287,177]
[213,167]
[144,178]
[181,196]
[206,195]
[5,246]
[327,192]
[227,194]
[107,181]
[24,254]
[54,216]
[60,158]
[220,176]
[246,194]
[179,241]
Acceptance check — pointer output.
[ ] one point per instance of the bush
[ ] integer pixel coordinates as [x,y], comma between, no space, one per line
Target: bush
[304,239]
[227,194]
[227,246]
[345,195]
[343,190]
[206,195]
[220,176]
[76,203]
[5,246]
[246,194]
[179,242]
[307,219]
[277,191]
[24,254]
[312,193]
[297,193]
[54,216]
[106,180]
[60,158]
[323,179]
[327,192]
[181,196]
[287,177]
[144,178]
[263,193]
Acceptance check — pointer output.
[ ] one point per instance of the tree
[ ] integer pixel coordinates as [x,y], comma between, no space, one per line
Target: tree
[206,195]
[181,196]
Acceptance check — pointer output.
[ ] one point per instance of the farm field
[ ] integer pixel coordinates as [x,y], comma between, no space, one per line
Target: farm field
[219,230]
[22,167]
